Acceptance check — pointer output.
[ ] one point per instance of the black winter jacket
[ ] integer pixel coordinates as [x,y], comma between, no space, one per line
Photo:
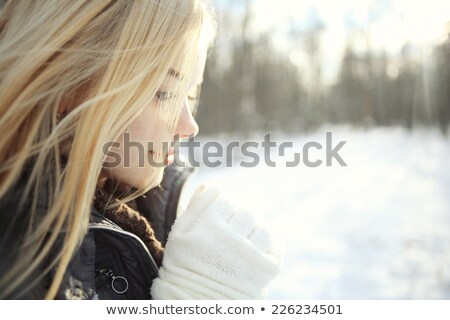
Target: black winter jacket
[110,263]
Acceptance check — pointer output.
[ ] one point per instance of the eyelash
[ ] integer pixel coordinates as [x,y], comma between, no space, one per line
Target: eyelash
[164,95]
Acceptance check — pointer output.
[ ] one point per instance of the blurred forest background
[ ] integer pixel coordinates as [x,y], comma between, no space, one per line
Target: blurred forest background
[254,83]
[377,74]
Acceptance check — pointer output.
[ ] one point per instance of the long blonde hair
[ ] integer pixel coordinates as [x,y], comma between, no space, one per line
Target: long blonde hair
[101,61]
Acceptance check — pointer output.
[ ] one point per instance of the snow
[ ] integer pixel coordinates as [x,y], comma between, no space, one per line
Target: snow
[378,228]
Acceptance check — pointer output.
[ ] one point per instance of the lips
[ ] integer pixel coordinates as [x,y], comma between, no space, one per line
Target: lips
[170,156]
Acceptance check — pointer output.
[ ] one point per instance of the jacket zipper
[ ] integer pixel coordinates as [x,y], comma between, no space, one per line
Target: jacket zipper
[119,284]
[123,232]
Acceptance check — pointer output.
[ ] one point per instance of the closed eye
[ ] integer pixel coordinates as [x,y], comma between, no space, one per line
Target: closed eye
[194,94]
[193,99]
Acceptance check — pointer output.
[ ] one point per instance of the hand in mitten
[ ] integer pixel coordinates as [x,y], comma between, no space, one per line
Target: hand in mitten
[216,252]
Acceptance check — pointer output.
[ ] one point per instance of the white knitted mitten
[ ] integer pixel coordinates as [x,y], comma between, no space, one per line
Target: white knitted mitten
[216,252]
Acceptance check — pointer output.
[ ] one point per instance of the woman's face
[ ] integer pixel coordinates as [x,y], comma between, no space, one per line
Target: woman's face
[145,134]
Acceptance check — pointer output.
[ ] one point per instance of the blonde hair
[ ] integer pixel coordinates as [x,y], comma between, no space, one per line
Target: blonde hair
[101,62]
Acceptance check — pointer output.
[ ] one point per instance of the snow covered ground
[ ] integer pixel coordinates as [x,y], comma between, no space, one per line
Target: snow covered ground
[376,229]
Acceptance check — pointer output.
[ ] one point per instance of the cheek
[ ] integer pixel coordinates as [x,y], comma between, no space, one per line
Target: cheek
[144,129]
[130,161]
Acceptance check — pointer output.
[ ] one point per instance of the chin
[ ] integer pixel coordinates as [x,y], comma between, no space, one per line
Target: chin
[150,180]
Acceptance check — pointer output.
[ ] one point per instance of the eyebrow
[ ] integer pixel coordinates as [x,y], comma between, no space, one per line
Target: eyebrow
[174,73]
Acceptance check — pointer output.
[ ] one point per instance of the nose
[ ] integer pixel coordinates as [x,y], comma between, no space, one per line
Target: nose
[187,126]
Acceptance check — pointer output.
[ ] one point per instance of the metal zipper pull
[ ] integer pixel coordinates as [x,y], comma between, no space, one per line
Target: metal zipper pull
[117,282]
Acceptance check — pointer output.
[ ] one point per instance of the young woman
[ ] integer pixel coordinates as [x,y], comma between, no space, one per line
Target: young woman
[92,92]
